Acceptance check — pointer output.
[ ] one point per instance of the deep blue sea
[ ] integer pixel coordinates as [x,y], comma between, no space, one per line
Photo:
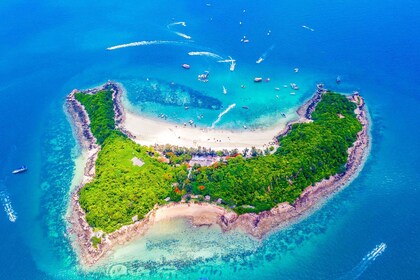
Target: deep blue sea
[49,48]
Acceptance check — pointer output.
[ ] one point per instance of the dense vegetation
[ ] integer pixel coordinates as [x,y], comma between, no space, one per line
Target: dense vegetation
[309,153]
[121,190]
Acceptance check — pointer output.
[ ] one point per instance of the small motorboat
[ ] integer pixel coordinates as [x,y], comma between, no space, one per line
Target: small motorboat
[232,64]
[259,60]
[258,80]
[186,66]
[20,170]
[296,70]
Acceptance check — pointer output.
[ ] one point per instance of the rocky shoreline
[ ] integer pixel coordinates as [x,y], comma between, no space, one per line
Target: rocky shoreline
[257,225]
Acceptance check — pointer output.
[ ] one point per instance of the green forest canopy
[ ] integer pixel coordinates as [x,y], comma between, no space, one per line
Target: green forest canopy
[121,190]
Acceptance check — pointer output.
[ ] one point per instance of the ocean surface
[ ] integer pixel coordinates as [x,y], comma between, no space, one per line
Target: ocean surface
[370,230]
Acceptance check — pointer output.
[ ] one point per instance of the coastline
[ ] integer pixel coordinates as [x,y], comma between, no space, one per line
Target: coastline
[257,225]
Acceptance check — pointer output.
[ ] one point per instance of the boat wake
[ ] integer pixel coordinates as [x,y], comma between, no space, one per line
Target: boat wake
[183,23]
[307,27]
[231,61]
[367,260]
[7,205]
[209,54]
[183,35]
[222,114]
[144,43]
[265,54]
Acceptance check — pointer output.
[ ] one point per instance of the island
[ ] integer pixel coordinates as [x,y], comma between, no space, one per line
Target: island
[127,187]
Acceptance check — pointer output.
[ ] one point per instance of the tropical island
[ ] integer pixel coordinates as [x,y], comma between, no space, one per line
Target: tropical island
[128,186]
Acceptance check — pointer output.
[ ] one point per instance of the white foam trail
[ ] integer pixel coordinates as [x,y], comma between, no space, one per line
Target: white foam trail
[183,23]
[7,205]
[183,35]
[210,54]
[222,114]
[367,260]
[307,27]
[144,43]
[226,61]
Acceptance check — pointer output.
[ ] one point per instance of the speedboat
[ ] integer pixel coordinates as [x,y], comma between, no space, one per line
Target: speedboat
[20,170]
[259,60]
[296,70]
[186,66]
[257,80]
[224,90]
[232,65]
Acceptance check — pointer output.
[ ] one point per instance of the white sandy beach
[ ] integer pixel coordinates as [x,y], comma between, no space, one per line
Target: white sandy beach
[148,131]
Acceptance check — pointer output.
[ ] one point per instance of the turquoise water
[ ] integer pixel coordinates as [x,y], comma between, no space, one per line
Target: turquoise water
[50,48]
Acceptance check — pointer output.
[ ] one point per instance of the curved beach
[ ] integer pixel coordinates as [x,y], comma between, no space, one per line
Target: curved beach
[257,225]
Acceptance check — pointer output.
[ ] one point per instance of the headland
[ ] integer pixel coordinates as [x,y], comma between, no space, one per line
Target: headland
[92,241]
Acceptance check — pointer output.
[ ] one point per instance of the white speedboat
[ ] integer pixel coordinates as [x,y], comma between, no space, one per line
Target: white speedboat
[20,170]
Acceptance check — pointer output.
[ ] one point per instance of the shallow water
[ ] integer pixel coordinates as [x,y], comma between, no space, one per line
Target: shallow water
[50,48]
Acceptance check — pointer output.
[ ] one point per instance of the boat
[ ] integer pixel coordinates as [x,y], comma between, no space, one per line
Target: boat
[296,70]
[258,80]
[245,107]
[232,65]
[224,90]
[277,88]
[294,86]
[259,60]
[186,66]
[204,77]
[20,170]
[338,80]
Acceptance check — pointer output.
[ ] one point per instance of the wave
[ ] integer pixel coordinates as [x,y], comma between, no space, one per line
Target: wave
[183,35]
[210,54]
[144,43]
[7,205]
[222,114]
[367,260]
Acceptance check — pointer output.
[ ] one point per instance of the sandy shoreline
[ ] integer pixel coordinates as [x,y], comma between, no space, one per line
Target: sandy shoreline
[257,225]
